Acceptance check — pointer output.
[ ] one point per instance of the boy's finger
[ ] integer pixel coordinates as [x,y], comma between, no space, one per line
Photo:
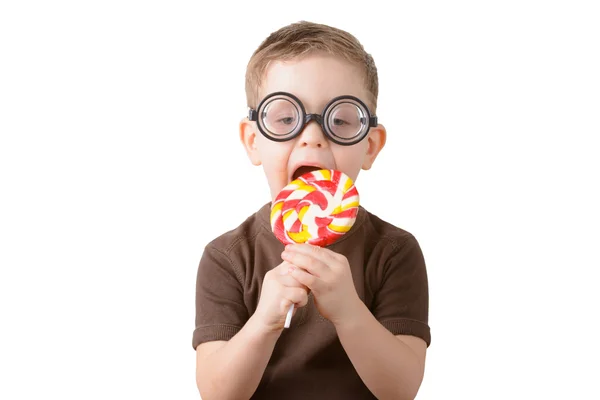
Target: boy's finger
[310,281]
[305,261]
[320,253]
[289,281]
[294,295]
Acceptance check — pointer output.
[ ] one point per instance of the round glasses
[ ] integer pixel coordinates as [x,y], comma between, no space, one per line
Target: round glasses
[281,116]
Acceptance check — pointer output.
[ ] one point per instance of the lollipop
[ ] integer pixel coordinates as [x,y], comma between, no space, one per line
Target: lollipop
[317,208]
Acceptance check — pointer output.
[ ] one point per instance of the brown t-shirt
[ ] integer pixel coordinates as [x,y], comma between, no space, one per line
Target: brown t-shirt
[308,361]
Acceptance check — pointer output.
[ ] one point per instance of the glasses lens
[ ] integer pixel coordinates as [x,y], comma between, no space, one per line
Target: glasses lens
[280,117]
[347,120]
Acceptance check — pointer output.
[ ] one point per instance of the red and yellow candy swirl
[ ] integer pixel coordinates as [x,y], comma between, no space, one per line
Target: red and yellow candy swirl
[317,208]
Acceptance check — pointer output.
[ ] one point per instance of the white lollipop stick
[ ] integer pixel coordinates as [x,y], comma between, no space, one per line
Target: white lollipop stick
[288,317]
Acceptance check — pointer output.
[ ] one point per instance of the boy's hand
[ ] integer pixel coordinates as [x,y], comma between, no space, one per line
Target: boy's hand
[279,291]
[328,275]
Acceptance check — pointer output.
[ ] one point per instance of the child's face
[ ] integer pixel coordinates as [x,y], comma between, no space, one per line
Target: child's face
[315,80]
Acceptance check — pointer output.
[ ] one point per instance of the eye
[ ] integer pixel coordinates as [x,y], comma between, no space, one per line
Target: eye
[286,120]
[339,122]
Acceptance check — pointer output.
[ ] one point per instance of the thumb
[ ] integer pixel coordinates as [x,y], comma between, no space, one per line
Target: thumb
[282,269]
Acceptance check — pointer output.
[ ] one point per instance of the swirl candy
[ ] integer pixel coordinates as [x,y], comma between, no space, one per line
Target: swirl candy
[317,208]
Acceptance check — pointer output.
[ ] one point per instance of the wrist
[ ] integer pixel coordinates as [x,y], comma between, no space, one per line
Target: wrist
[261,331]
[355,317]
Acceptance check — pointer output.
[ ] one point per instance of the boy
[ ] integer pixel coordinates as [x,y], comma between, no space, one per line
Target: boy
[360,327]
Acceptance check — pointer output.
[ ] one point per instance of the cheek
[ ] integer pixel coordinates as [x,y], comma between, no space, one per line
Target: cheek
[274,155]
[350,160]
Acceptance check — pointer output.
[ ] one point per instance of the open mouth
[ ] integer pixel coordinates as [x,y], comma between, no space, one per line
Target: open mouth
[304,169]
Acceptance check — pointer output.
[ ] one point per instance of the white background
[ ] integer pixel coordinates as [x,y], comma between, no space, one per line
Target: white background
[120,160]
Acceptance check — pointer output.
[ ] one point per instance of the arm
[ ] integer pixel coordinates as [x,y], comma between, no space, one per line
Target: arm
[233,369]
[391,366]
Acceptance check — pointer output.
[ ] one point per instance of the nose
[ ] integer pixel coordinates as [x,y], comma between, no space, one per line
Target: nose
[312,135]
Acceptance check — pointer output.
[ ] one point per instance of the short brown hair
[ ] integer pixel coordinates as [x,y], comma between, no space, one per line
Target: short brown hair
[300,39]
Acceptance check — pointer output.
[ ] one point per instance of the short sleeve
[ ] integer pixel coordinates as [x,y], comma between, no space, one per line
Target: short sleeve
[220,308]
[402,301]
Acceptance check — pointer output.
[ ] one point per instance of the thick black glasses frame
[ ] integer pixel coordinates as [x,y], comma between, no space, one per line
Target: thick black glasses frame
[306,118]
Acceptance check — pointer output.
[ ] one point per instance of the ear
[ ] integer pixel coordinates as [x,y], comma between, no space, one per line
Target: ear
[375,142]
[248,139]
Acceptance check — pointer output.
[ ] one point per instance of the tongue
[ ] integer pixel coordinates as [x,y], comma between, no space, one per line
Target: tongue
[303,170]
